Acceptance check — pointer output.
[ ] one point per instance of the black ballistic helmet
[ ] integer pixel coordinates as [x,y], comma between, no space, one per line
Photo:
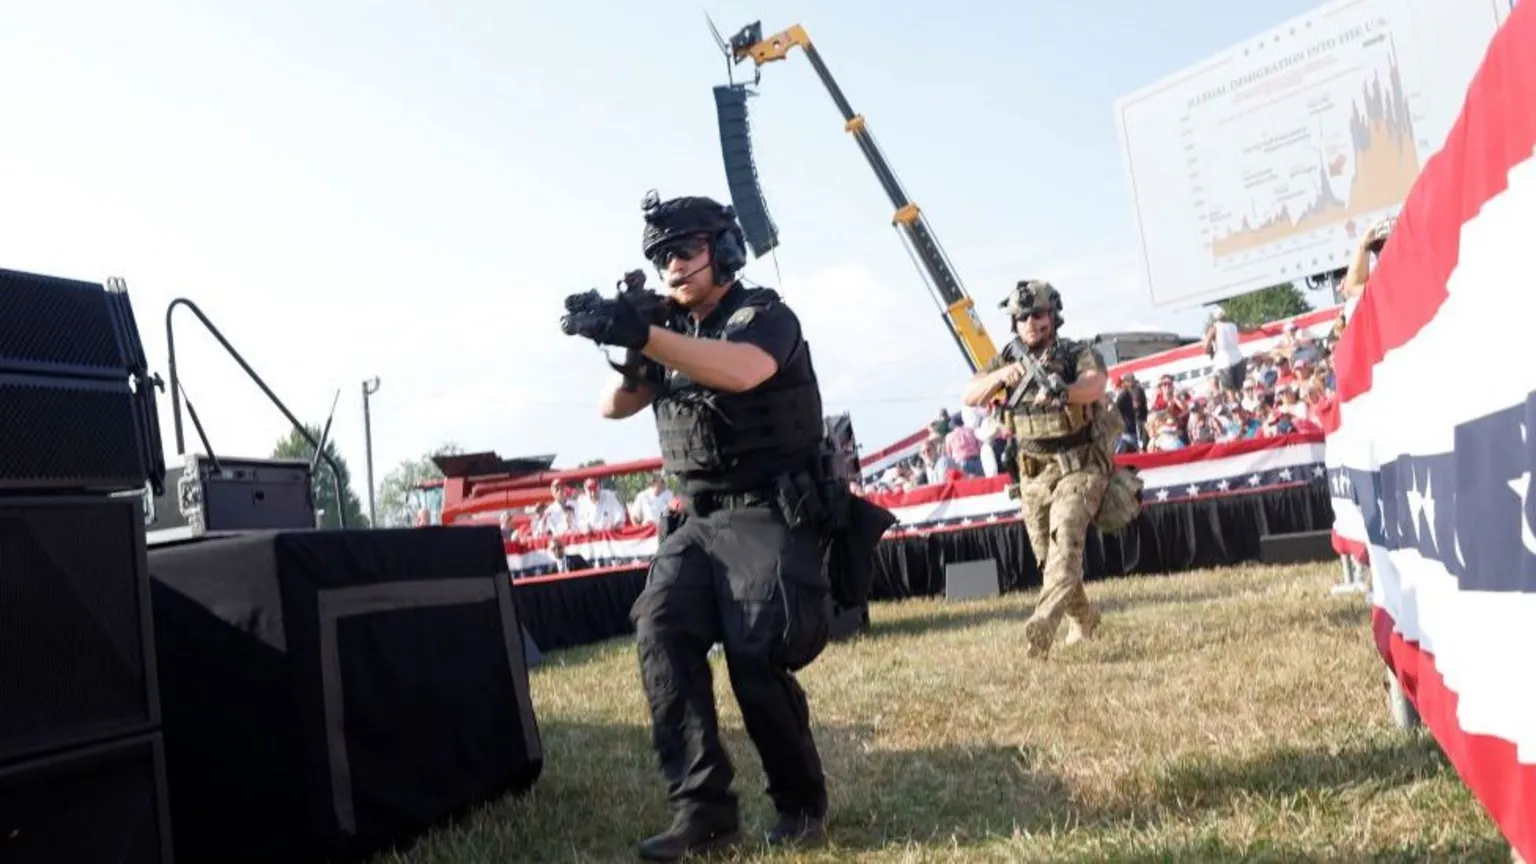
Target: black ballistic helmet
[669,220]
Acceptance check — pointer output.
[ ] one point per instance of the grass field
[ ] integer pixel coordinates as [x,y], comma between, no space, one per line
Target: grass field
[1226,715]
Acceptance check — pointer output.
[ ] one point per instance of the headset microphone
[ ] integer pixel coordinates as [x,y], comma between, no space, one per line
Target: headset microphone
[691,273]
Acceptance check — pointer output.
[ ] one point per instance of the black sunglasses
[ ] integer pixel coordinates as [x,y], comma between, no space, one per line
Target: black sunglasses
[683,248]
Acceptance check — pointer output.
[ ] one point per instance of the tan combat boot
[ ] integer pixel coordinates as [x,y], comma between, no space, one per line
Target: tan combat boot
[1037,639]
[1082,629]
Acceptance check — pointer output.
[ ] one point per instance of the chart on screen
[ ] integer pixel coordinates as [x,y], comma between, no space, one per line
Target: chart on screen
[1268,163]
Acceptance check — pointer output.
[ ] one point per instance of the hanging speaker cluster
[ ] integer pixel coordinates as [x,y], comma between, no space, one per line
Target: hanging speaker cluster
[741,170]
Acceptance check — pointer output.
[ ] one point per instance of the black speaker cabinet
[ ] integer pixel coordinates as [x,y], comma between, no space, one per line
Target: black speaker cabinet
[77,407]
[76,639]
[104,804]
[330,693]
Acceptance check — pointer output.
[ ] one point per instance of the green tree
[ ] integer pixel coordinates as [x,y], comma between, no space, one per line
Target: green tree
[294,446]
[1265,305]
[394,492]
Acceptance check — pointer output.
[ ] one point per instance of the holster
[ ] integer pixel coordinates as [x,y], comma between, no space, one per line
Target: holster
[850,528]
[1011,459]
[848,554]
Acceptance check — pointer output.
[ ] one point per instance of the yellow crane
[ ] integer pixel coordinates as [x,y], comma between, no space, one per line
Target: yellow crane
[959,310]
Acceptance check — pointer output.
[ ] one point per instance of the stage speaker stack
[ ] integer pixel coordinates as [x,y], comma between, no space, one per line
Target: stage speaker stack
[82,776]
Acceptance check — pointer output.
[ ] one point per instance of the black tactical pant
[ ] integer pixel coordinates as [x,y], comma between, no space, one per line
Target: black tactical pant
[743,578]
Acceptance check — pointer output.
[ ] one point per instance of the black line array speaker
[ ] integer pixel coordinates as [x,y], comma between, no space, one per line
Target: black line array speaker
[77,406]
[741,170]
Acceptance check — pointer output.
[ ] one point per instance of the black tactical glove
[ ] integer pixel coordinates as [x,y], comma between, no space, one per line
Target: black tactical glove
[625,326]
[607,322]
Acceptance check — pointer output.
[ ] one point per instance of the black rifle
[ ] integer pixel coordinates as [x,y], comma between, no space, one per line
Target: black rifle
[589,313]
[1035,373]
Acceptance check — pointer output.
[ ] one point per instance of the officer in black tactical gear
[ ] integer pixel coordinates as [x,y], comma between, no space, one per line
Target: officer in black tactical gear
[738,411]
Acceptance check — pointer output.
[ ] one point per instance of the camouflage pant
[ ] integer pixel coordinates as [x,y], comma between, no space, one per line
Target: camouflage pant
[1058,508]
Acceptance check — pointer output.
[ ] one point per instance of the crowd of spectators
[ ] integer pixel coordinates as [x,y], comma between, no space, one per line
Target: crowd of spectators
[595,508]
[1275,392]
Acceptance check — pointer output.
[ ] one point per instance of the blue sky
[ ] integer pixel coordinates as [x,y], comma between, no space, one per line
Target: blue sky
[352,189]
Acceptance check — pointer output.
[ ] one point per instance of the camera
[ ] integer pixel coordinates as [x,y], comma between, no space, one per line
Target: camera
[1382,230]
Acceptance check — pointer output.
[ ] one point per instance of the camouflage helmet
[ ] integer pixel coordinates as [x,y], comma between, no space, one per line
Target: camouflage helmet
[682,217]
[1032,294]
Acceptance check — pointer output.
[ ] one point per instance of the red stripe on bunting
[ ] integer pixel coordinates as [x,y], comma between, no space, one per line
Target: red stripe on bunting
[1495,131]
[1489,766]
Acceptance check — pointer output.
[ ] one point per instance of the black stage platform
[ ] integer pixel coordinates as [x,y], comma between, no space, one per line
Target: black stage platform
[326,694]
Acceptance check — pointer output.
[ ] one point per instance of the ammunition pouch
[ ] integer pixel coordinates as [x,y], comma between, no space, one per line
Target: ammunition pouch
[1121,503]
[806,501]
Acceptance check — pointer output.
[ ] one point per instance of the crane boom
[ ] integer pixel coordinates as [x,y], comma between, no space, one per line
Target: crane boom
[959,310]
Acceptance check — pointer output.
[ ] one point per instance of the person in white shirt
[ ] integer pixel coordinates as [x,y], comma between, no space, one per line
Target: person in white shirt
[1221,340]
[651,503]
[556,518]
[598,509]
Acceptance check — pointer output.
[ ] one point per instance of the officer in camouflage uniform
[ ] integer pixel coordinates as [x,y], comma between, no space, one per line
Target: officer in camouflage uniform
[728,374]
[1062,472]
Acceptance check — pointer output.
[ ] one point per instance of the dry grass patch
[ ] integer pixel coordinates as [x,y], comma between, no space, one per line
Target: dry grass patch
[1225,715]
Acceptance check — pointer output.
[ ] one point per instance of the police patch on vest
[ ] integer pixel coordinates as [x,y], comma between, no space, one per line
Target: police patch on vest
[741,319]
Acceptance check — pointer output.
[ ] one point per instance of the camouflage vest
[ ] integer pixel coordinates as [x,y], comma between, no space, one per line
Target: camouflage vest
[1050,430]
[1076,436]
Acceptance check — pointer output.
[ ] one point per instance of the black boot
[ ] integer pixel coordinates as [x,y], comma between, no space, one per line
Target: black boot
[798,829]
[690,835]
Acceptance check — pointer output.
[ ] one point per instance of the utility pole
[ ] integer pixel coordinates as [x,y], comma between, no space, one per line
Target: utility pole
[370,387]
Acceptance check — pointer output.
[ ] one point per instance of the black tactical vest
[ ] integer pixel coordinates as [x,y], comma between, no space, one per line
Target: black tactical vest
[740,441]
